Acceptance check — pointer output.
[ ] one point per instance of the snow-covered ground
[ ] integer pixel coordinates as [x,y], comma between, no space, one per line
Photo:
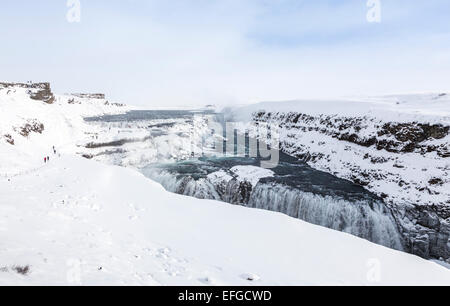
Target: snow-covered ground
[76,221]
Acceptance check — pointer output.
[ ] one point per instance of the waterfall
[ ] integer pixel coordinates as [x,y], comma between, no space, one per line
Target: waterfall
[369,219]
[185,185]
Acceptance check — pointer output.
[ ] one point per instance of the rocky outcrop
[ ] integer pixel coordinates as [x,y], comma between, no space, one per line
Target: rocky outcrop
[426,229]
[9,139]
[37,91]
[29,127]
[43,93]
[99,96]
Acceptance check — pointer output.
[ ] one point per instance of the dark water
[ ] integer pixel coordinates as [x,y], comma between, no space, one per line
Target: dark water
[296,189]
[289,172]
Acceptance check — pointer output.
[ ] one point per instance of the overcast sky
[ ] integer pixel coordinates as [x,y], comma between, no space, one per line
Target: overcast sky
[184,52]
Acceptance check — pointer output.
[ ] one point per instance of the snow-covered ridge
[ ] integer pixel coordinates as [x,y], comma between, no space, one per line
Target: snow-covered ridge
[394,146]
[426,108]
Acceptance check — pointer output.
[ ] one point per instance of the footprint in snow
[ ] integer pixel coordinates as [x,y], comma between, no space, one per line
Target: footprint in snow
[95,207]
[207,280]
[165,251]
[135,208]
[250,277]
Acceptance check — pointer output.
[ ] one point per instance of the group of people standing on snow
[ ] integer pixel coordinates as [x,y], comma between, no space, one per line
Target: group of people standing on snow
[47,158]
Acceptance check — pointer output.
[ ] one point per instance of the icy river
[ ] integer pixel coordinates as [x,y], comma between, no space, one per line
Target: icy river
[292,187]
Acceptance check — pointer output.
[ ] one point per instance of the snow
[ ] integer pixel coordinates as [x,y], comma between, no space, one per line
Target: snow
[429,107]
[219,176]
[174,141]
[63,124]
[403,177]
[77,221]
[251,174]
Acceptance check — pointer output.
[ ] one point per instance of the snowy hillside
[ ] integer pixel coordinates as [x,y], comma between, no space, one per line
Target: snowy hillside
[394,146]
[29,128]
[76,221]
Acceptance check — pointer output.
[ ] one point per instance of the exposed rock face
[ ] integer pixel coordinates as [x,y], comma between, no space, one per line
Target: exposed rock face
[427,229]
[89,95]
[411,137]
[37,91]
[31,126]
[367,132]
[406,164]
[9,139]
[43,93]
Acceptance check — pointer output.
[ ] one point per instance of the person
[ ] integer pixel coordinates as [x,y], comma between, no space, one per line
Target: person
[48,158]
[45,159]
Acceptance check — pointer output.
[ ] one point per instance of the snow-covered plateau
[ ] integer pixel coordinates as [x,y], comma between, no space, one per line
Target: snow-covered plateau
[75,220]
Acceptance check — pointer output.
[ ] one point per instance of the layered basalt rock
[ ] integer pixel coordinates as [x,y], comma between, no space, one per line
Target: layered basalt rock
[367,132]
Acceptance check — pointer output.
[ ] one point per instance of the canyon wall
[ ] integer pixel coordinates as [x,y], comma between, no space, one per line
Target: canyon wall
[405,163]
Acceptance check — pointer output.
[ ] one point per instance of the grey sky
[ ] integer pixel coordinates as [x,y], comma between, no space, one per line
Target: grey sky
[185,52]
